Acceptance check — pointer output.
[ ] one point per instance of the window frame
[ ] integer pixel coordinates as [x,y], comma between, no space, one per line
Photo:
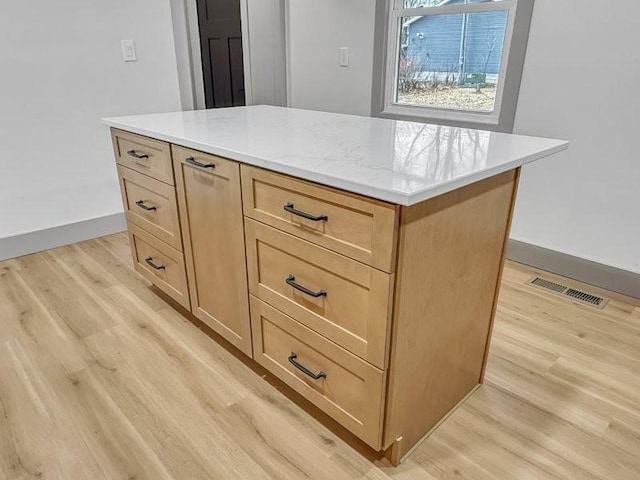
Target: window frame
[392,108]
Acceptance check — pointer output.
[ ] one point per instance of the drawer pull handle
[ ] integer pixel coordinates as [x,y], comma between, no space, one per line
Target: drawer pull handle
[316,218]
[141,204]
[305,370]
[193,161]
[134,154]
[149,261]
[291,280]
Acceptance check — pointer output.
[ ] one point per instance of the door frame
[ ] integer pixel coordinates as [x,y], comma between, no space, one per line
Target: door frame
[184,16]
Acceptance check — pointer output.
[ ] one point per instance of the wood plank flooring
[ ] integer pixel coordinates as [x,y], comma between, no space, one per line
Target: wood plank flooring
[100,378]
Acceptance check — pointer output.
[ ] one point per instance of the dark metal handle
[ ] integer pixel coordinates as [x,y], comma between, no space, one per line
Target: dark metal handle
[291,280]
[132,153]
[141,204]
[149,261]
[193,161]
[305,370]
[316,218]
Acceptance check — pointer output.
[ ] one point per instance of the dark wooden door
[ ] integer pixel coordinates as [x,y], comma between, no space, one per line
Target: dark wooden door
[221,46]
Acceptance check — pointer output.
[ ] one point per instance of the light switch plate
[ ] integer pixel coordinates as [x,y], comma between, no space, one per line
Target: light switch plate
[344,56]
[128,50]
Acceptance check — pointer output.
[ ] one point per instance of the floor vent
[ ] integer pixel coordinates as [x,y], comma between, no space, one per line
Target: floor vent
[541,282]
[579,295]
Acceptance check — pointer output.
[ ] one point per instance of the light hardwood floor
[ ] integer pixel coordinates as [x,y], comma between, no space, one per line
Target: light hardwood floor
[100,378]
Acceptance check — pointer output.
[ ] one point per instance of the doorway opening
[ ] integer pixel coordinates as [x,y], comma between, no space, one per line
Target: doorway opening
[221,47]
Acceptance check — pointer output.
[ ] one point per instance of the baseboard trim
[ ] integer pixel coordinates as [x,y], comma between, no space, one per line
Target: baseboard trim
[32,242]
[586,271]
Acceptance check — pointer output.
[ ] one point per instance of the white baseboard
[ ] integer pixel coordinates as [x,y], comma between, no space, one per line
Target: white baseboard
[32,242]
[586,271]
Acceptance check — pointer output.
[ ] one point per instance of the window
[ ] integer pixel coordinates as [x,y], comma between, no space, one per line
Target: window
[447,59]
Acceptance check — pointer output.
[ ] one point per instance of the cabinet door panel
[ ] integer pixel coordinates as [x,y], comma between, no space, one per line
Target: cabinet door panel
[211,217]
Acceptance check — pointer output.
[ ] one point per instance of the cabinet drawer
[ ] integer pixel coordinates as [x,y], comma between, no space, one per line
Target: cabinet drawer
[168,274]
[152,205]
[145,155]
[341,299]
[350,390]
[355,226]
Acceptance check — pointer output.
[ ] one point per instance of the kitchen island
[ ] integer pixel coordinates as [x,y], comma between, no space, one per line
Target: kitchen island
[356,259]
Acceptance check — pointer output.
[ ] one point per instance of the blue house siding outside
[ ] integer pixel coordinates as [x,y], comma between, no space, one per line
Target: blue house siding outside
[485,36]
[434,42]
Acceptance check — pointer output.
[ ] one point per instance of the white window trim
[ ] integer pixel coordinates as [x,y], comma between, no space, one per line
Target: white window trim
[391,107]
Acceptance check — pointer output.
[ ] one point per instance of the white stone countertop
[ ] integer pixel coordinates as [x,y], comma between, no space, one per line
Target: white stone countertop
[395,161]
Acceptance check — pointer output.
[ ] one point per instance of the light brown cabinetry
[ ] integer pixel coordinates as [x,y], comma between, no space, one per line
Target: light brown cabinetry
[343,300]
[341,384]
[355,226]
[160,263]
[151,209]
[152,205]
[211,217]
[319,263]
[450,256]
[144,155]
[324,287]
[379,315]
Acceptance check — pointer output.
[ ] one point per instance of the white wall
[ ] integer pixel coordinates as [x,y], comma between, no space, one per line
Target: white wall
[62,70]
[264,51]
[316,31]
[580,83]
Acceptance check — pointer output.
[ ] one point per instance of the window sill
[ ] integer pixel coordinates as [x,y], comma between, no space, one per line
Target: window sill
[434,115]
